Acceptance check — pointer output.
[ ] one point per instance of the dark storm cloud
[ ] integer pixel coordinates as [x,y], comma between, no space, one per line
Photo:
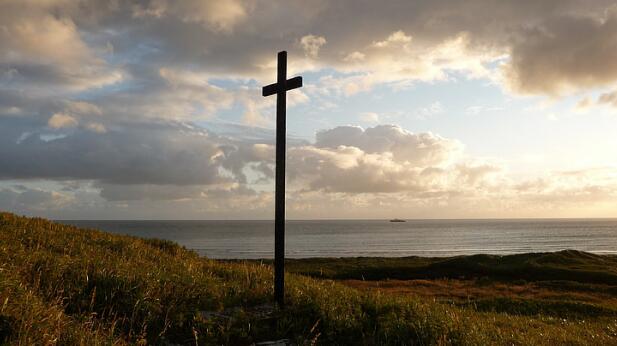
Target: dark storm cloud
[566,53]
[24,199]
[133,154]
[136,192]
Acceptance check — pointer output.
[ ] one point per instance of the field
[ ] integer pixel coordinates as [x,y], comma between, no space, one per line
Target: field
[64,285]
[566,284]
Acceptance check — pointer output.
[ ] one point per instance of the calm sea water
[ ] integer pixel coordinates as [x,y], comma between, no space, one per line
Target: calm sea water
[344,238]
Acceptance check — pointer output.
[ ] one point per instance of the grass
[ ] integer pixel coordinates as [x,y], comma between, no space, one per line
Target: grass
[568,265]
[64,285]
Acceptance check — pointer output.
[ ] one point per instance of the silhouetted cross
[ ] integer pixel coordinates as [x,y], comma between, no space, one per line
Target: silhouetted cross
[280,88]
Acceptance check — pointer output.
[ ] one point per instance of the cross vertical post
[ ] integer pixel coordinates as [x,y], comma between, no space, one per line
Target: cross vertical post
[280,88]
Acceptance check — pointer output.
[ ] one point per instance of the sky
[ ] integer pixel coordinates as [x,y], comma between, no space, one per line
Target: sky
[410,109]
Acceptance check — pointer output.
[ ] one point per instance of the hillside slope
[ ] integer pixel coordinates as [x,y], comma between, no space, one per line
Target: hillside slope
[567,265]
[64,285]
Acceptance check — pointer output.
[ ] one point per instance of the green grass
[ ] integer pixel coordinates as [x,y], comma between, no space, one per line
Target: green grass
[568,265]
[64,285]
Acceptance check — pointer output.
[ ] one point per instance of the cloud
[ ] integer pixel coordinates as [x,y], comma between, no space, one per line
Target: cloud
[369,117]
[565,54]
[218,15]
[83,108]
[418,149]
[21,198]
[59,120]
[397,38]
[133,154]
[396,60]
[122,42]
[311,45]
[150,159]
[350,170]
[609,98]
[583,104]
[354,57]
[574,187]
[380,159]
[430,110]
[474,110]
[96,127]
[180,169]
[135,192]
[136,161]
[108,94]
[40,49]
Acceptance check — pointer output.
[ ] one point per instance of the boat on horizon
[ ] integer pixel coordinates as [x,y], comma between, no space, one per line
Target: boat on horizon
[397,220]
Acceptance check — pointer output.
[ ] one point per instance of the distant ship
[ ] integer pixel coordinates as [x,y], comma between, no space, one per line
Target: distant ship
[397,220]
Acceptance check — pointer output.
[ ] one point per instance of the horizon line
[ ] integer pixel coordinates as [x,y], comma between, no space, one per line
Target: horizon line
[368,219]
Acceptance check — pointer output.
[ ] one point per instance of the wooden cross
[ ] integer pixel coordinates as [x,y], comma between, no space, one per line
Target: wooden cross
[280,88]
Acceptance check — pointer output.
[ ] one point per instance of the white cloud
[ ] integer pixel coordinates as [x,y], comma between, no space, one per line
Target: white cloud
[45,51]
[418,149]
[430,110]
[369,117]
[354,57]
[60,120]
[311,45]
[396,38]
[474,110]
[396,60]
[381,159]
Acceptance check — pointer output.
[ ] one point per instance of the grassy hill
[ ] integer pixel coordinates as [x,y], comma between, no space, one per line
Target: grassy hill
[64,285]
[568,265]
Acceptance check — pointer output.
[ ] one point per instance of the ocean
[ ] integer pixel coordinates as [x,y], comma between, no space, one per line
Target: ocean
[351,238]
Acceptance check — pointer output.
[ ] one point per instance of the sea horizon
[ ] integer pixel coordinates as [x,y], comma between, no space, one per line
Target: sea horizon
[251,239]
[367,219]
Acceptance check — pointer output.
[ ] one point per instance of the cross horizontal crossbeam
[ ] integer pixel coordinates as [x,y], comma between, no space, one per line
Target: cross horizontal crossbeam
[274,88]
